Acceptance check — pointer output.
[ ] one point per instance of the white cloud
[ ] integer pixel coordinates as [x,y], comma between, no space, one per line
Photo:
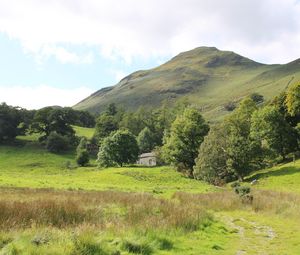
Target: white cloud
[64,56]
[42,95]
[266,30]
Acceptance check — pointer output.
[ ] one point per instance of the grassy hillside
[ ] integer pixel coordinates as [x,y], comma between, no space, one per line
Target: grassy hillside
[49,206]
[206,76]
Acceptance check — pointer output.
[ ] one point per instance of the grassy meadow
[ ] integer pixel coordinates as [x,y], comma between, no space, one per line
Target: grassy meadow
[48,205]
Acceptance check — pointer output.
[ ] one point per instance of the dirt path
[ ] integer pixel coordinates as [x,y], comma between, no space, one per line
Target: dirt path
[254,237]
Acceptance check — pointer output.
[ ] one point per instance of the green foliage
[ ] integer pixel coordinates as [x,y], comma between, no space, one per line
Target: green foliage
[186,135]
[9,121]
[57,142]
[242,152]
[212,158]
[57,120]
[119,148]
[105,125]
[293,99]
[257,98]
[82,155]
[230,106]
[273,132]
[229,152]
[146,140]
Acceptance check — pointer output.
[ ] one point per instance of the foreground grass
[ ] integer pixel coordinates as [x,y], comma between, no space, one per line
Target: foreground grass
[69,222]
[81,222]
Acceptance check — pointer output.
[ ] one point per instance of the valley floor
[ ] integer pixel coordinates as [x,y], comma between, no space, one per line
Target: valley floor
[49,206]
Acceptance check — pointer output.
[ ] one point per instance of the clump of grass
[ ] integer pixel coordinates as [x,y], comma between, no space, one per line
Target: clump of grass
[163,243]
[87,244]
[41,239]
[137,246]
[5,239]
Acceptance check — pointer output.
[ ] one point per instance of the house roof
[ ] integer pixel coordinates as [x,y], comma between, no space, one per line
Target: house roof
[147,155]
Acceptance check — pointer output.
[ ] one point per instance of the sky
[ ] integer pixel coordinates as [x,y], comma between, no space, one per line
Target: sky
[57,52]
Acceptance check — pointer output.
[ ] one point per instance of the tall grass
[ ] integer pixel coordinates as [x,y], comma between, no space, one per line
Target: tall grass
[21,208]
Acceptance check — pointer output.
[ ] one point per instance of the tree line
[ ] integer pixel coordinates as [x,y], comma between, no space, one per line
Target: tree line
[254,135]
[53,124]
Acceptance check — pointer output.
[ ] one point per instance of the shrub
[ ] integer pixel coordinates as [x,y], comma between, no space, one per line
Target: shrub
[257,98]
[82,157]
[57,143]
[230,106]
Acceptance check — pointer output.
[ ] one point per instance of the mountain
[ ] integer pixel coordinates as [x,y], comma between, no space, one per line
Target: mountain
[206,76]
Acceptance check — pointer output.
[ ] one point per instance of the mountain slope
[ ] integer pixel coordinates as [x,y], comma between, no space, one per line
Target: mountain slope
[206,76]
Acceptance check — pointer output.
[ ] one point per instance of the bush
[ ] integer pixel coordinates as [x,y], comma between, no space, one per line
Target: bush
[57,143]
[82,155]
[257,98]
[83,158]
[230,106]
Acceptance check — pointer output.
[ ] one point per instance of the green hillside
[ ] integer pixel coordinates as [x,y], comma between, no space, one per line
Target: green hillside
[50,207]
[206,76]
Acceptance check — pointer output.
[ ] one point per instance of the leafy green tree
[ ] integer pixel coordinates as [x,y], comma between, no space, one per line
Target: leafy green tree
[269,127]
[135,121]
[111,109]
[50,119]
[57,143]
[82,155]
[228,151]
[105,125]
[118,149]
[242,151]
[211,163]
[84,119]
[146,140]
[9,121]
[186,134]
[293,100]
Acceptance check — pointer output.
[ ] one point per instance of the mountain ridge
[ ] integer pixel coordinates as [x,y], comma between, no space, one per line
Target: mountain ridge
[206,76]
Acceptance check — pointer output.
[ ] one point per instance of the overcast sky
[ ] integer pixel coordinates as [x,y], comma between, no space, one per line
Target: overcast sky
[57,52]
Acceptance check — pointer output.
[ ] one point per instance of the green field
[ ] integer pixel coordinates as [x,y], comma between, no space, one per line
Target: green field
[48,205]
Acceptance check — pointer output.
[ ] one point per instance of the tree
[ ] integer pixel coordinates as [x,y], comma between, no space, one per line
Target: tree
[105,124]
[182,144]
[9,121]
[146,140]
[56,142]
[111,109]
[82,155]
[85,119]
[269,126]
[211,163]
[293,100]
[118,149]
[242,151]
[49,120]
[228,151]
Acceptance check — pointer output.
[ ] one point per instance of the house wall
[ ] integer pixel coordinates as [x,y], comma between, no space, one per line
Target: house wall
[147,161]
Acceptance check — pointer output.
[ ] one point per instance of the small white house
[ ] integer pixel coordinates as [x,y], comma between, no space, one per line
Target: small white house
[147,159]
